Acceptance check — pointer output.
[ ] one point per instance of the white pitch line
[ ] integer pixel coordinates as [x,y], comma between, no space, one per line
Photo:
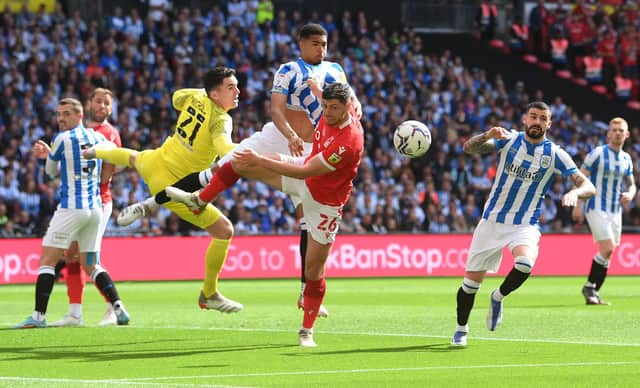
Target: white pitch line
[384,370]
[139,382]
[380,334]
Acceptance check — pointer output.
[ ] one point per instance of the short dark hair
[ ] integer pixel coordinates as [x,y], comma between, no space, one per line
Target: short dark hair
[311,29]
[214,77]
[337,91]
[538,105]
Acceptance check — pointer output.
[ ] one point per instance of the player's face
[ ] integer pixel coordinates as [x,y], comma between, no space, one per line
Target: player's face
[100,107]
[537,122]
[226,95]
[617,134]
[67,117]
[335,112]
[313,49]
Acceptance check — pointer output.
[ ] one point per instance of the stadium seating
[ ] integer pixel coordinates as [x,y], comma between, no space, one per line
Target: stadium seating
[143,60]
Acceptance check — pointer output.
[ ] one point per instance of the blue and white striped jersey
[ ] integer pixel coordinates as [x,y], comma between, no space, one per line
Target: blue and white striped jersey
[80,178]
[607,169]
[523,177]
[291,80]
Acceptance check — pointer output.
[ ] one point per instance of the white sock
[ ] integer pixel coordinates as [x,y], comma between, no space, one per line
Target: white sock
[204,177]
[75,309]
[117,305]
[464,328]
[497,295]
[590,285]
[150,204]
[38,316]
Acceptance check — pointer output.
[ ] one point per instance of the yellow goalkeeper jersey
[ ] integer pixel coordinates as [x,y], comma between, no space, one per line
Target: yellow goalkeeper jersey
[203,132]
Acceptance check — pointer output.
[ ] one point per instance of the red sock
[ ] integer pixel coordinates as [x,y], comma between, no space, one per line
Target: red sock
[75,283]
[224,178]
[314,292]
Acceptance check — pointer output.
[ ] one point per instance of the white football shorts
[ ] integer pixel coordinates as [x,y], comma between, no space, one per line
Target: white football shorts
[323,221]
[605,225]
[81,225]
[489,239]
[268,140]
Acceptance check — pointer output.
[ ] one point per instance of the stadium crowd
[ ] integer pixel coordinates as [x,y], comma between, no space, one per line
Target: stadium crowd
[595,40]
[143,58]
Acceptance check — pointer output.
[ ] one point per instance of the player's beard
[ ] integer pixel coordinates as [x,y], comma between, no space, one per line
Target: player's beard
[339,120]
[535,132]
[95,117]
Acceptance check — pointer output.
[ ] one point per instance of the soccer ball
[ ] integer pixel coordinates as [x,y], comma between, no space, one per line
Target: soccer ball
[412,139]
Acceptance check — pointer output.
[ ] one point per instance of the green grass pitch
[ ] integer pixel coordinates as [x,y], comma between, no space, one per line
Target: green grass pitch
[380,333]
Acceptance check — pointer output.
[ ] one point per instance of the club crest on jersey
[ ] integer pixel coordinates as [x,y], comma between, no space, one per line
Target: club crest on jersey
[334,158]
[545,161]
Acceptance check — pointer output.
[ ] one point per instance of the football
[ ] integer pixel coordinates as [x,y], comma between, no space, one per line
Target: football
[412,139]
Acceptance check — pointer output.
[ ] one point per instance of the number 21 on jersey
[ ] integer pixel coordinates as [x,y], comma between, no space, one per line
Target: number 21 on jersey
[189,127]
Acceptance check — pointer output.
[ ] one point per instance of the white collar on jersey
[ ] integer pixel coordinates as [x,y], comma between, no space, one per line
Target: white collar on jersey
[346,122]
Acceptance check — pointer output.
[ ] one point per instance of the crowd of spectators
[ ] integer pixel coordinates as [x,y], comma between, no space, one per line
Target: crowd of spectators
[564,34]
[144,57]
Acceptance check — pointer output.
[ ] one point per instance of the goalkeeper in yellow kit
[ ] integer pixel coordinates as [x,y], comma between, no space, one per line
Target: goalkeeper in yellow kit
[203,132]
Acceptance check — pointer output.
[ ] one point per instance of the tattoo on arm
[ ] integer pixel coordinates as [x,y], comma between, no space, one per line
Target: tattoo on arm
[584,188]
[479,144]
[577,179]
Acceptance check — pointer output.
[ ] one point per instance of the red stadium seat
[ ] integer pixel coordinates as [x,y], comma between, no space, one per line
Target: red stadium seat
[579,81]
[545,66]
[599,89]
[633,104]
[497,43]
[563,74]
[530,58]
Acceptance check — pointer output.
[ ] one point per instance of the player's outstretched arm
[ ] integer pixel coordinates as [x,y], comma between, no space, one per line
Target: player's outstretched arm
[246,159]
[41,149]
[482,144]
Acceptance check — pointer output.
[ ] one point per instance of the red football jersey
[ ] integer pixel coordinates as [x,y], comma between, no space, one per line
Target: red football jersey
[341,150]
[111,134]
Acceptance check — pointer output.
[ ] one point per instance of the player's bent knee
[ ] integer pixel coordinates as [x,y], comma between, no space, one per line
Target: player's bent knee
[313,273]
[606,251]
[222,229]
[523,264]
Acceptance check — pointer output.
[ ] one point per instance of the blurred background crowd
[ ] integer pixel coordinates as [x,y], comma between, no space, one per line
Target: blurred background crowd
[145,55]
